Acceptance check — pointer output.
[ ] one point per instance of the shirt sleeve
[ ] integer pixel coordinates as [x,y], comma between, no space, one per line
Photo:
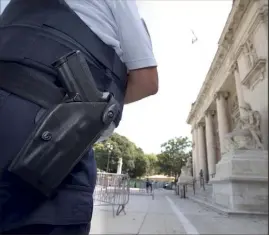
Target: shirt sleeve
[134,39]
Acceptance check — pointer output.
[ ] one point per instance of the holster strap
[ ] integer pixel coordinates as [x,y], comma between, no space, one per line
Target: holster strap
[18,80]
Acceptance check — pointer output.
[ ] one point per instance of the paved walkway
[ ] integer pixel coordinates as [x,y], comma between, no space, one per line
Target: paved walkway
[168,214]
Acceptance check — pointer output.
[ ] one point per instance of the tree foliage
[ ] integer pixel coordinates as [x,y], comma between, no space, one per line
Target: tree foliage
[152,167]
[141,164]
[122,148]
[136,163]
[174,155]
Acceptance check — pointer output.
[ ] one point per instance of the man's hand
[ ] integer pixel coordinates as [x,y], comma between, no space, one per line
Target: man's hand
[141,84]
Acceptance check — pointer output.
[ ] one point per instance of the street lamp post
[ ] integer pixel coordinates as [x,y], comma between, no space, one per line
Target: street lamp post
[110,148]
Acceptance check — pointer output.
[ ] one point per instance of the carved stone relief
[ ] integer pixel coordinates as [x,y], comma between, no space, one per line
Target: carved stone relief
[250,53]
[255,65]
[247,134]
[255,75]
[235,118]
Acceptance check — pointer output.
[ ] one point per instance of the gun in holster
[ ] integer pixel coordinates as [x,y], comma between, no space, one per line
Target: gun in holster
[68,130]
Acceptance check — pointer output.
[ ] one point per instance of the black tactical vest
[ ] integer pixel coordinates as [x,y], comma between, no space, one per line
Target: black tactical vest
[36,33]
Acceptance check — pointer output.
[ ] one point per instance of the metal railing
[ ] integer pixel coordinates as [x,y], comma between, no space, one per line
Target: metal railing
[140,188]
[112,190]
[182,188]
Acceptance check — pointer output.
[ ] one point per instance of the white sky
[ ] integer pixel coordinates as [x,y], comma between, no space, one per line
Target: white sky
[182,67]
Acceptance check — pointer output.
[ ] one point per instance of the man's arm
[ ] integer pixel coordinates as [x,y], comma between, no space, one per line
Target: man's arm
[137,52]
[141,84]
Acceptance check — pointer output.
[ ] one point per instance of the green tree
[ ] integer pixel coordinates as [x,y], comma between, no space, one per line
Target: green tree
[152,164]
[101,155]
[141,164]
[174,156]
[135,162]
[121,148]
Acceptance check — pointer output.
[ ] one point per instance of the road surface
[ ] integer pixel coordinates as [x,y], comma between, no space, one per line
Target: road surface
[168,214]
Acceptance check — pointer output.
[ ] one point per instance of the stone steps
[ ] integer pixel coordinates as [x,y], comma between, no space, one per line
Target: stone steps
[204,197]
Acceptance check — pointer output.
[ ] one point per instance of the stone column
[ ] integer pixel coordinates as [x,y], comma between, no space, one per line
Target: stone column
[202,149]
[210,143]
[222,117]
[193,153]
[197,161]
[239,90]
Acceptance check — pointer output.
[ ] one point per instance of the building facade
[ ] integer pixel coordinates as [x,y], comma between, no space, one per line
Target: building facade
[236,84]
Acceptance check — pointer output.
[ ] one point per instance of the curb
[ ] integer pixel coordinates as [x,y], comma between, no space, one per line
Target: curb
[225,211]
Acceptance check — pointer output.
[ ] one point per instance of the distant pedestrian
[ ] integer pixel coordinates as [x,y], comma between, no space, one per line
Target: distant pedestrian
[148,186]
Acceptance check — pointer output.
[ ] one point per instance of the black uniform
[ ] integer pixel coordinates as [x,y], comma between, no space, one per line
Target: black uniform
[33,34]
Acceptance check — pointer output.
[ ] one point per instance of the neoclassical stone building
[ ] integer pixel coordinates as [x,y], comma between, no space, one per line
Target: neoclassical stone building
[237,78]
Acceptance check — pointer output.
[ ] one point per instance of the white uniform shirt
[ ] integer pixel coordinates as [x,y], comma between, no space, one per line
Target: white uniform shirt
[118,24]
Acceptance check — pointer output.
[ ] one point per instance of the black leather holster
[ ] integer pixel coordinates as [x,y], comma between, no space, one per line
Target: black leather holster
[67,130]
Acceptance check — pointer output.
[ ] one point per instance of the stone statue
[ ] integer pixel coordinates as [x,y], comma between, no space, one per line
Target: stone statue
[119,167]
[186,175]
[252,122]
[247,134]
[186,170]
[189,164]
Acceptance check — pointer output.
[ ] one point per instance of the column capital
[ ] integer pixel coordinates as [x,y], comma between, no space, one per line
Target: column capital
[195,126]
[210,112]
[220,94]
[201,124]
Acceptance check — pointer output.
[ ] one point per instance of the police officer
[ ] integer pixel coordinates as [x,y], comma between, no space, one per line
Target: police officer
[23,49]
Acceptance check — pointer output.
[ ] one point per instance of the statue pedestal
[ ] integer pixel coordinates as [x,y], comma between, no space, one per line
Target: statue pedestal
[241,182]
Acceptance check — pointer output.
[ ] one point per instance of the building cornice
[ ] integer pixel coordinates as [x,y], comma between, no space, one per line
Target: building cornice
[226,40]
[260,16]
